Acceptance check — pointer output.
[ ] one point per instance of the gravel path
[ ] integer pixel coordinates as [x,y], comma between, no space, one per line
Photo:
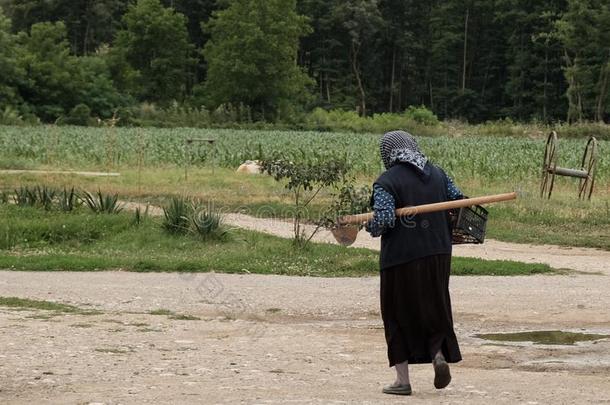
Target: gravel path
[68,172]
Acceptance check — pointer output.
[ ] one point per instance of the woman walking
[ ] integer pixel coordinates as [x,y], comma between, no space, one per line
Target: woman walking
[415,262]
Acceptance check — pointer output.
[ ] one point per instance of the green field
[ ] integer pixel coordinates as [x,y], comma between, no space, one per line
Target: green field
[151,163]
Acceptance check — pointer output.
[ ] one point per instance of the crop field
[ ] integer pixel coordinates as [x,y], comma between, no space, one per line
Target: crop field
[494,159]
[151,163]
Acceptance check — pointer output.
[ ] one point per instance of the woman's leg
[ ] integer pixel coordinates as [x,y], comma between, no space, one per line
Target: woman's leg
[402,373]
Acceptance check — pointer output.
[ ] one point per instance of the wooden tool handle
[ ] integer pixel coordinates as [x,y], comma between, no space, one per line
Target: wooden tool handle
[422,209]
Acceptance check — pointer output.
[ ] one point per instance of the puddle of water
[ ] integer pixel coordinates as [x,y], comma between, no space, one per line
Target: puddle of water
[543,337]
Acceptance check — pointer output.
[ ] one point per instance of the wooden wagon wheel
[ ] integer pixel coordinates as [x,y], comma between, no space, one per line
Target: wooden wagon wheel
[589,160]
[549,165]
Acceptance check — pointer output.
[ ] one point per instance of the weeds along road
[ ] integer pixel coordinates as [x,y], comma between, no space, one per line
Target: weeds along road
[278,339]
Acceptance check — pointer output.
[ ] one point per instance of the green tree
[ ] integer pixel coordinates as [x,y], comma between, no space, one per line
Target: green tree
[584,33]
[52,73]
[361,21]
[10,73]
[89,23]
[152,54]
[251,55]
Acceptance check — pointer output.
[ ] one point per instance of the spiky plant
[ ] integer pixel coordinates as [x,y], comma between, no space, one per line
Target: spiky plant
[140,216]
[177,216]
[208,222]
[102,203]
[45,196]
[24,197]
[68,200]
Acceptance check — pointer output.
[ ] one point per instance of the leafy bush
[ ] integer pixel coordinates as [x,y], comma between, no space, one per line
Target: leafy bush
[306,177]
[79,115]
[350,199]
[102,203]
[10,116]
[421,115]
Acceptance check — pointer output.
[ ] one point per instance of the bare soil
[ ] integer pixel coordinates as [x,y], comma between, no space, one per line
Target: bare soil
[276,339]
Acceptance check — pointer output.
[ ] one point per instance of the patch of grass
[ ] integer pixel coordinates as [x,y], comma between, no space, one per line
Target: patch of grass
[182,317]
[544,337]
[119,245]
[173,315]
[114,350]
[146,330]
[463,266]
[161,312]
[28,304]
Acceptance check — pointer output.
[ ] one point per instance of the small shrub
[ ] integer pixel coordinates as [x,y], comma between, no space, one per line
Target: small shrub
[79,115]
[102,203]
[421,115]
[177,216]
[305,178]
[10,116]
[4,197]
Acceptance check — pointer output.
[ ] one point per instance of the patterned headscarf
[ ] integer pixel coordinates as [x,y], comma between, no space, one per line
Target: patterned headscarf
[400,146]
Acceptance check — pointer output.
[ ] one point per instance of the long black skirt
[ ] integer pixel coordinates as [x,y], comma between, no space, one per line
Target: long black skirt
[416,311]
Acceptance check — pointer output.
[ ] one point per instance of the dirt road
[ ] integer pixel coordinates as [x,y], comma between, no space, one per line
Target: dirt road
[275,339]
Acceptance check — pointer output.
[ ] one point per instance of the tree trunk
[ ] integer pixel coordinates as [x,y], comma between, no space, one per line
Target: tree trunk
[603,90]
[327,82]
[465,50]
[544,91]
[390,108]
[356,70]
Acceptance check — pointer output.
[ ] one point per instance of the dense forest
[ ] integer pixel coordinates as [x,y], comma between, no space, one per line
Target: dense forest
[474,60]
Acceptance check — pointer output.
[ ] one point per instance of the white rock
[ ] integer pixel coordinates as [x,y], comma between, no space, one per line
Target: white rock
[250,167]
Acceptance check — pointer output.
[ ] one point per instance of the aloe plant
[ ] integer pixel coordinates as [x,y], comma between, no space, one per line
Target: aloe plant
[208,222]
[139,216]
[177,216]
[45,196]
[68,200]
[25,197]
[102,203]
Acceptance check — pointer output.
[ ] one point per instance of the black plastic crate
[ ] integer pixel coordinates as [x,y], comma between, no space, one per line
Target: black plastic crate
[469,224]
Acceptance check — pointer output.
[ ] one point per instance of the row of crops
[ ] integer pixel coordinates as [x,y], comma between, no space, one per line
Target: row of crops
[497,158]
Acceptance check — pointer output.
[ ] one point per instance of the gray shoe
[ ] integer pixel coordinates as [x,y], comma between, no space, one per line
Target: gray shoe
[397,389]
[442,375]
